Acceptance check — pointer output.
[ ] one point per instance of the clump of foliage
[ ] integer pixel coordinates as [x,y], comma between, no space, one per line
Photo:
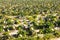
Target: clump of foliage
[29,19]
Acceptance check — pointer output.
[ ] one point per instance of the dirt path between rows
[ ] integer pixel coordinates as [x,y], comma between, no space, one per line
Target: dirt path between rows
[55,39]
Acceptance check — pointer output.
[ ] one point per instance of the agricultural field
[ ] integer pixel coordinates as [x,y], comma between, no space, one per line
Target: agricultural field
[29,19]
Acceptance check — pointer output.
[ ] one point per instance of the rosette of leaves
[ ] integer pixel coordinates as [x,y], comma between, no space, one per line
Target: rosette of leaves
[56,33]
[19,27]
[58,23]
[3,11]
[1,21]
[14,10]
[32,38]
[47,30]
[48,25]
[41,31]
[1,28]
[50,18]
[1,16]
[16,21]
[38,25]
[10,27]
[14,13]
[30,18]
[48,36]
[5,36]
[41,24]
[9,21]
[21,14]
[23,32]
